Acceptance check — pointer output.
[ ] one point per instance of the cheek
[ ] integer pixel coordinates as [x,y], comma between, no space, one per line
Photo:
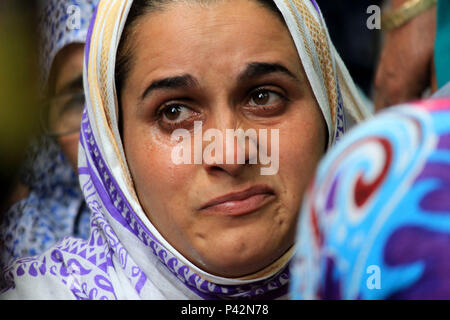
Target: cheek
[160,184]
[69,146]
[300,153]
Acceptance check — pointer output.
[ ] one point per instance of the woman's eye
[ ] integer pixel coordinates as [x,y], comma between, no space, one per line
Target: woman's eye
[172,113]
[266,103]
[175,113]
[176,116]
[264,98]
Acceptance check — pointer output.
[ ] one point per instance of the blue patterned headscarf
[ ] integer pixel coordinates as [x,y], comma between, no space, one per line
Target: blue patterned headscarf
[376,220]
[62,22]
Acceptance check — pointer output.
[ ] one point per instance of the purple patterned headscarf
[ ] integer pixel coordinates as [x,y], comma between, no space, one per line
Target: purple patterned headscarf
[126,257]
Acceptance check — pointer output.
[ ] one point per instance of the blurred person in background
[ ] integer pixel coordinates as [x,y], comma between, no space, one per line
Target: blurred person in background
[414,61]
[375,221]
[50,203]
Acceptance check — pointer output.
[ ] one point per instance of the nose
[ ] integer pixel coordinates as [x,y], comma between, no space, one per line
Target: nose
[229,149]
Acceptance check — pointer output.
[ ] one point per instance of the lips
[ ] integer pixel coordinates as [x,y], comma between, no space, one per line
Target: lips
[240,203]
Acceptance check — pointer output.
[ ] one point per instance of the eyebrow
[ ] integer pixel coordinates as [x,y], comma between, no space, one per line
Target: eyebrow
[176,82]
[75,84]
[259,69]
[252,71]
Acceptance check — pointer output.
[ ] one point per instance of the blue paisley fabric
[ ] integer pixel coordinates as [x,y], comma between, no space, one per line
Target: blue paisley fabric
[375,223]
[54,208]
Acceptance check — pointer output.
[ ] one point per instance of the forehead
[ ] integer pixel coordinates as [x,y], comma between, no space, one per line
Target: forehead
[190,33]
[68,66]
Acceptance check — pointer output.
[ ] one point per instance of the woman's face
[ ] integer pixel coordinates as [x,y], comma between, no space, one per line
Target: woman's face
[67,70]
[229,65]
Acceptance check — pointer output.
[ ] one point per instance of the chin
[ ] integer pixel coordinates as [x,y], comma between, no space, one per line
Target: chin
[238,260]
[236,269]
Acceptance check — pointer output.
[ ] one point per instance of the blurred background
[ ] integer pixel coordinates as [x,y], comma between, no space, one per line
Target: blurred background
[18,87]
[358,46]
